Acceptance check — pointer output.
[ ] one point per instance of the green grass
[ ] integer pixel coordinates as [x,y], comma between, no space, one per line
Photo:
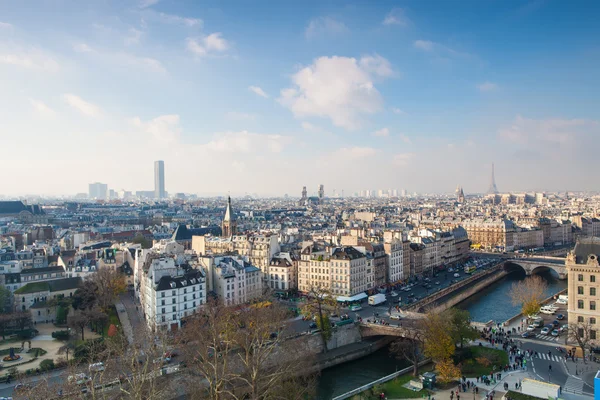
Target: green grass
[113,318]
[395,389]
[33,287]
[471,368]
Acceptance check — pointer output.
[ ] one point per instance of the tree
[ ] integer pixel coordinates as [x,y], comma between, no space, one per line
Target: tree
[96,318]
[529,293]
[581,333]
[22,320]
[85,296]
[78,322]
[410,347]
[109,284]
[318,300]
[266,360]
[5,299]
[438,342]
[140,239]
[447,371]
[208,342]
[461,329]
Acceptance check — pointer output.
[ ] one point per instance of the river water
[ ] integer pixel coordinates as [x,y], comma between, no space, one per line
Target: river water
[492,303]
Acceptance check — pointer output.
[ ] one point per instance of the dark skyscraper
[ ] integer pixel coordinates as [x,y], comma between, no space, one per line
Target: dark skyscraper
[159,180]
[493,189]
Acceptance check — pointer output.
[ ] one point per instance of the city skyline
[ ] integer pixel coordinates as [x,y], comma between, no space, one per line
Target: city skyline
[426,96]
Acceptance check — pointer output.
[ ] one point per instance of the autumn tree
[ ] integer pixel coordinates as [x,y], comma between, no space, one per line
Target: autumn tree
[447,371]
[529,293]
[437,337]
[581,333]
[410,347]
[318,303]
[460,324]
[109,284]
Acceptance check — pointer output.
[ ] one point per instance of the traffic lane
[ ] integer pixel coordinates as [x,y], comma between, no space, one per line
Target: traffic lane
[551,357]
[54,378]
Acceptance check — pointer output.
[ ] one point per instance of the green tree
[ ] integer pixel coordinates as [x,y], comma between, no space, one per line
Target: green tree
[461,329]
[140,239]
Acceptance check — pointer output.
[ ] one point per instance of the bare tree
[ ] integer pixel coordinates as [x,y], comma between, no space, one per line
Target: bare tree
[581,333]
[529,293]
[266,360]
[208,343]
[109,284]
[78,322]
[410,347]
[320,301]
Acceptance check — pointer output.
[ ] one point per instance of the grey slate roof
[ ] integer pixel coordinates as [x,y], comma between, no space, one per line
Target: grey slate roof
[586,246]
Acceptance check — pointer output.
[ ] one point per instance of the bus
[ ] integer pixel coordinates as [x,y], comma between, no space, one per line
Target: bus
[469,269]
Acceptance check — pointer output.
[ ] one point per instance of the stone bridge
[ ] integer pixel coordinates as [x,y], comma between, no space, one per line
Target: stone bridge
[532,264]
[402,329]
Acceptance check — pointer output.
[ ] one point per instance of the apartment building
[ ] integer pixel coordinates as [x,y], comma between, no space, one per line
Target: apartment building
[342,270]
[490,233]
[583,268]
[232,279]
[395,261]
[283,272]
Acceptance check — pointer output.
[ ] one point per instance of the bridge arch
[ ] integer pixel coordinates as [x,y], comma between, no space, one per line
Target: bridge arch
[533,267]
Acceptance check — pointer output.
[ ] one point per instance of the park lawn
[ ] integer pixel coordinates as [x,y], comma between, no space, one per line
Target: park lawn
[113,319]
[471,368]
[520,396]
[394,389]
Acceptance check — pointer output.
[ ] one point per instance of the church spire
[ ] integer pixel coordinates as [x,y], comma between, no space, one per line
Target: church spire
[228,227]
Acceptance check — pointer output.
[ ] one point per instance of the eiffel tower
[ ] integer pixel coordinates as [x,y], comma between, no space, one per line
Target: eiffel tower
[493,189]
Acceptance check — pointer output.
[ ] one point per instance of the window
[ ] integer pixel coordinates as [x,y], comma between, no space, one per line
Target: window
[174,293]
[162,302]
[184,290]
[580,304]
[592,305]
[580,332]
[174,317]
[580,319]
[593,321]
[580,278]
[162,294]
[579,289]
[592,278]
[163,310]
[592,291]
[593,334]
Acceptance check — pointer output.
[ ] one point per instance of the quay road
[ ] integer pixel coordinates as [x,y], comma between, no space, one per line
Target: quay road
[442,280]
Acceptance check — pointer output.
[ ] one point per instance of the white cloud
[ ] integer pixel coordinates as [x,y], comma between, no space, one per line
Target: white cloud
[42,109]
[258,91]
[552,132]
[245,142]
[384,132]
[487,87]
[425,45]
[241,116]
[353,153]
[30,59]
[147,3]
[82,48]
[403,159]
[5,25]
[133,37]
[338,88]
[164,129]
[211,44]
[398,111]
[324,26]
[396,17]
[176,19]
[405,139]
[87,109]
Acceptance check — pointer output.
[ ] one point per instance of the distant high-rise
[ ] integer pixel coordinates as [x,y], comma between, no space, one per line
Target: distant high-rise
[159,180]
[493,189]
[98,191]
[321,192]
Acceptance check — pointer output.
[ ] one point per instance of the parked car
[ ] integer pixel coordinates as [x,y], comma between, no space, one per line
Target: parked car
[564,328]
[96,367]
[531,328]
[555,332]
[560,317]
[527,334]
[312,325]
[457,275]
[395,316]
[545,331]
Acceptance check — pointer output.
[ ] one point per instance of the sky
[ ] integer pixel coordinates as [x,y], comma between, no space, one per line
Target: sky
[264,97]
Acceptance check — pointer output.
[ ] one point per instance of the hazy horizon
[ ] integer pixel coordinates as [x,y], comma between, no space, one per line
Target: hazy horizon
[266,97]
